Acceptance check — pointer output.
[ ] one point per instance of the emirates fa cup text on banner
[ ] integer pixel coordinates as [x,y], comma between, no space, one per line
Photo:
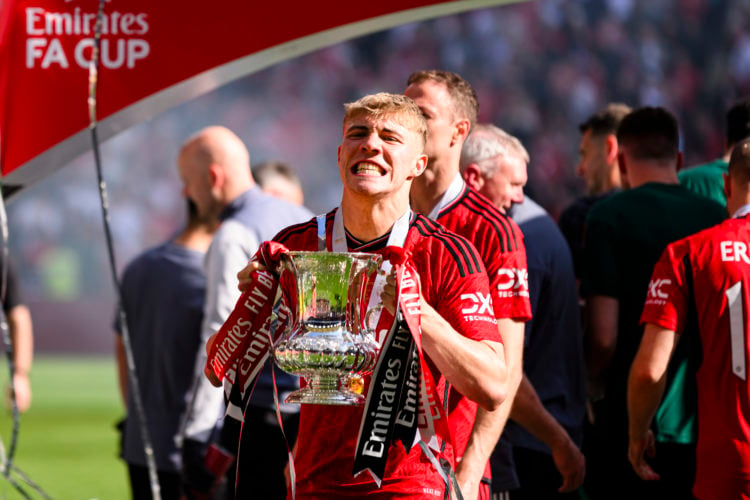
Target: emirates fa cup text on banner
[122,44]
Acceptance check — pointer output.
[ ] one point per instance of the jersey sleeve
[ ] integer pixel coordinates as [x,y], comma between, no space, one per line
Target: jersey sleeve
[509,282]
[667,297]
[464,298]
[505,258]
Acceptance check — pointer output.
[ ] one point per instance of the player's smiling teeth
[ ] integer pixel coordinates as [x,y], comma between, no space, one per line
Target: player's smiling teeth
[367,168]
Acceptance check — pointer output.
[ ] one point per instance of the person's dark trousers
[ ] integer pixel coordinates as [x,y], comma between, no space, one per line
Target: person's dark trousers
[263,455]
[609,473]
[538,477]
[675,463]
[140,485]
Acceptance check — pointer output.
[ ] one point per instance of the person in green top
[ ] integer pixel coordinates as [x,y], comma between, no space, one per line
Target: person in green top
[708,179]
[625,235]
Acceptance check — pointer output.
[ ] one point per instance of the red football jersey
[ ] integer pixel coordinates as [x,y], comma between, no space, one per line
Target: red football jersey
[710,272]
[454,282]
[499,242]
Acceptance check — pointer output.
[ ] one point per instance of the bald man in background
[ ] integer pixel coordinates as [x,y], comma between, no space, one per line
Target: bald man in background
[214,165]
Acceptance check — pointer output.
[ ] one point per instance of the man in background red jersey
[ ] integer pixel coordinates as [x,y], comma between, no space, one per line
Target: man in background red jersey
[380,156]
[450,106]
[702,279]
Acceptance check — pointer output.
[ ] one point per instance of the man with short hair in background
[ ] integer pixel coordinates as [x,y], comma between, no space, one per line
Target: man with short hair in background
[450,107]
[215,167]
[163,294]
[546,422]
[702,278]
[599,169]
[625,235]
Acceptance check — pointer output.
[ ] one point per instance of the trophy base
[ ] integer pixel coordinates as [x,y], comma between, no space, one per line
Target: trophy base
[306,396]
[326,390]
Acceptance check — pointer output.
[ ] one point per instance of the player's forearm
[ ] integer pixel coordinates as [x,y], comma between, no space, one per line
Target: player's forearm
[643,400]
[644,395]
[600,334]
[476,369]
[22,337]
[484,436]
[489,425]
[648,377]
[530,413]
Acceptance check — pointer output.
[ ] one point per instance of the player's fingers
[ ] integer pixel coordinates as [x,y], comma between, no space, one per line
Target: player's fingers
[645,471]
[210,343]
[211,376]
[243,277]
[566,485]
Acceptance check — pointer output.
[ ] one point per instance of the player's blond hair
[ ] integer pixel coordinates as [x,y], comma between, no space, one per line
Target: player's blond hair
[384,104]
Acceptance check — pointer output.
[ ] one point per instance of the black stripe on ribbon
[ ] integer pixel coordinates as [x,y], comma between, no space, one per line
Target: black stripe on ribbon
[383,407]
[407,419]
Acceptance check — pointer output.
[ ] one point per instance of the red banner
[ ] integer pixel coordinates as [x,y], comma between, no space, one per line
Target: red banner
[154,55]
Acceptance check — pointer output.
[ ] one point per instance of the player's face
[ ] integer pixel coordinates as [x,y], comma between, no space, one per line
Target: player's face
[379,157]
[436,104]
[505,187]
[593,164]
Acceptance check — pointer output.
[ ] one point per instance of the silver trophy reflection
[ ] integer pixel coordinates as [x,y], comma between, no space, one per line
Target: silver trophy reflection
[328,342]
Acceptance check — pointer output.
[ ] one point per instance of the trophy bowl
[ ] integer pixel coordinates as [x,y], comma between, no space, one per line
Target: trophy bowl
[328,342]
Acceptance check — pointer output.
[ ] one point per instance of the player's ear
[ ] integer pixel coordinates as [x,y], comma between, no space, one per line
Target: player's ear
[727,185]
[610,145]
[460,131]
[420,165]
[217,175]
[473,176]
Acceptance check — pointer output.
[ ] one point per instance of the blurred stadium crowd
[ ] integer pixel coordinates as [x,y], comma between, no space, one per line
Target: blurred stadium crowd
[540,68]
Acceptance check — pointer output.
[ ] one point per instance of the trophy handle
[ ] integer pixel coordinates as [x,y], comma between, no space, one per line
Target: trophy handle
[371,323]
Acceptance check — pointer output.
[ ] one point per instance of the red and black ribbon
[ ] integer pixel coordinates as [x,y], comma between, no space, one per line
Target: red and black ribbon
[244,340]
[401,389]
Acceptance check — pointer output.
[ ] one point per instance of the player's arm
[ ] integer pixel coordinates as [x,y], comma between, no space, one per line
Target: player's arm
[529,411]
[600,333]
[600,285]
[489,425]
[475,368]
[22,339]
[646,382]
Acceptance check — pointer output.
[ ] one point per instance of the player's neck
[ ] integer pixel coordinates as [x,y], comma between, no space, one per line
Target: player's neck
[367,220]
[652,174]
[428,189]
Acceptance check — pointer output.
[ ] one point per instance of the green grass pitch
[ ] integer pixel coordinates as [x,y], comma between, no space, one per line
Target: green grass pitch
[67,441]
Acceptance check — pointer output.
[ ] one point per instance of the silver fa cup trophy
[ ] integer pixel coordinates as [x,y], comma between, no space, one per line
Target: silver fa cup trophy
[329,342]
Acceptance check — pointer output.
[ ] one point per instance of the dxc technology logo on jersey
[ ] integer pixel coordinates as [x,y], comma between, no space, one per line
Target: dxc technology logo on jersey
[656,295]
[513,283]
[477,307]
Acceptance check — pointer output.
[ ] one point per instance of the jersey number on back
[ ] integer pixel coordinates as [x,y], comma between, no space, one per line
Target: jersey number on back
[737,329]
